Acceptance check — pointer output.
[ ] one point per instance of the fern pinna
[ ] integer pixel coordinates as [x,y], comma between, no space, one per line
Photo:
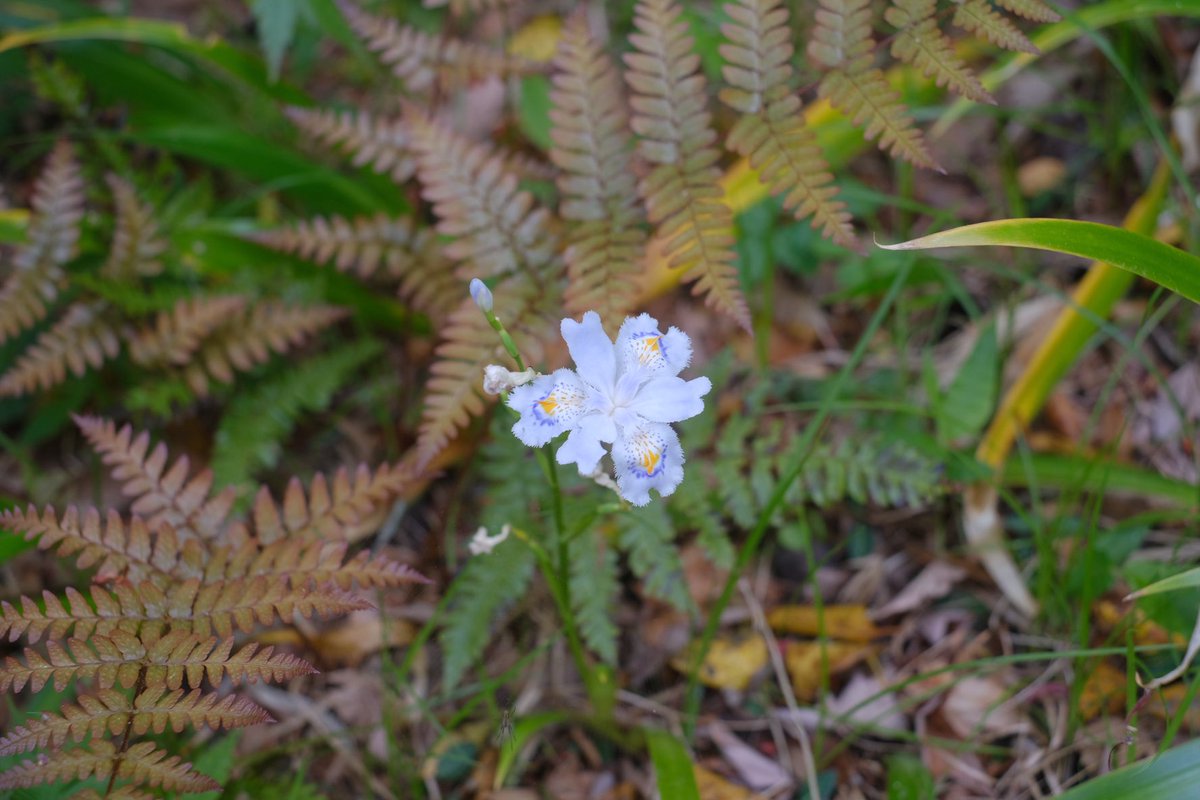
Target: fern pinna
[149,644]
[636,151]
[195,337]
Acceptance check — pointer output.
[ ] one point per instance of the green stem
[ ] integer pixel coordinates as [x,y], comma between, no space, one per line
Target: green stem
[803,450]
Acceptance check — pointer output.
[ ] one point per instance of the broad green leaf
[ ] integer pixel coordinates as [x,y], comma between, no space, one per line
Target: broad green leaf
[967,403]
[523,730]
[1188,579]
[1055,471]
[908,779]
[1133,252]
[277,21]
[1171,776]
[673,770]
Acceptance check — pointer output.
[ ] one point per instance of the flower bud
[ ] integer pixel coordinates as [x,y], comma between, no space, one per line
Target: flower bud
[481,294]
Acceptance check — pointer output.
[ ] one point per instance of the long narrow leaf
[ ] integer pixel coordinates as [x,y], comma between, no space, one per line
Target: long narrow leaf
[1173,775]
[672,766]
[1141,255]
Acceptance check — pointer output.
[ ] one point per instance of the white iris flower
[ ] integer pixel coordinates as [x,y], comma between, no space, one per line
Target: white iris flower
[625,396]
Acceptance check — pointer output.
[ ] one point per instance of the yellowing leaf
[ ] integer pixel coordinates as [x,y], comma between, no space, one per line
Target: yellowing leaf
[537,40]
[713,787]
[851,623]
[805,662]
[730,663]
[1103,693]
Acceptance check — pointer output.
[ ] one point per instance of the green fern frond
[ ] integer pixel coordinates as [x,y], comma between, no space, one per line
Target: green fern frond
[381,144]
[495,227]
[841,43]
[920,42]
[682,193]
[981,19]
[110,712]
[647,538]
[486,586]
[141,763]
[592,148]
[256,423]
[82,338]
[1034,10]
[52,236]
[771,132]
[137,244]
[419,59]
[594,588]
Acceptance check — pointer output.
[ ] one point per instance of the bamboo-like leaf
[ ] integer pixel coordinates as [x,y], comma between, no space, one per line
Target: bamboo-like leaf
[1142,255]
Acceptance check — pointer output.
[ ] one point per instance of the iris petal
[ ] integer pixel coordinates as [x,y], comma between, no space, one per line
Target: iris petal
[647,457]
[585,444]
[548,406]
[592,350]
[642,347]
[670,399]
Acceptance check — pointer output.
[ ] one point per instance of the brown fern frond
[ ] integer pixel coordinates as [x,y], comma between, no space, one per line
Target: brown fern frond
[771,133]
[52,235]
[141,763]
[352,508]
[592,148]
[178,332]
[242,603]
[920,42]
[418,59]
[1034,10]
[682,193]
[401,249]
[109,712]
[136,551]
[381,144]
[163,495]
[454,391]
[841,42]
[115,661]
[137,245]
[180,657]
[82,338]
[56,619]
[313,564]
[250,338]
[981,19]
[496,228]
[467,6]
[121,659]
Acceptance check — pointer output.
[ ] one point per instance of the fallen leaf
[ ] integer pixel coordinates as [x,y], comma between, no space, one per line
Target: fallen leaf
[713,787]
[851,623]
[932,583]
[730,664]
[805,659]
[862,701]
[1040,175]
[978,704]
[1110,616]
[359,635]
[755,769]
[537,40]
